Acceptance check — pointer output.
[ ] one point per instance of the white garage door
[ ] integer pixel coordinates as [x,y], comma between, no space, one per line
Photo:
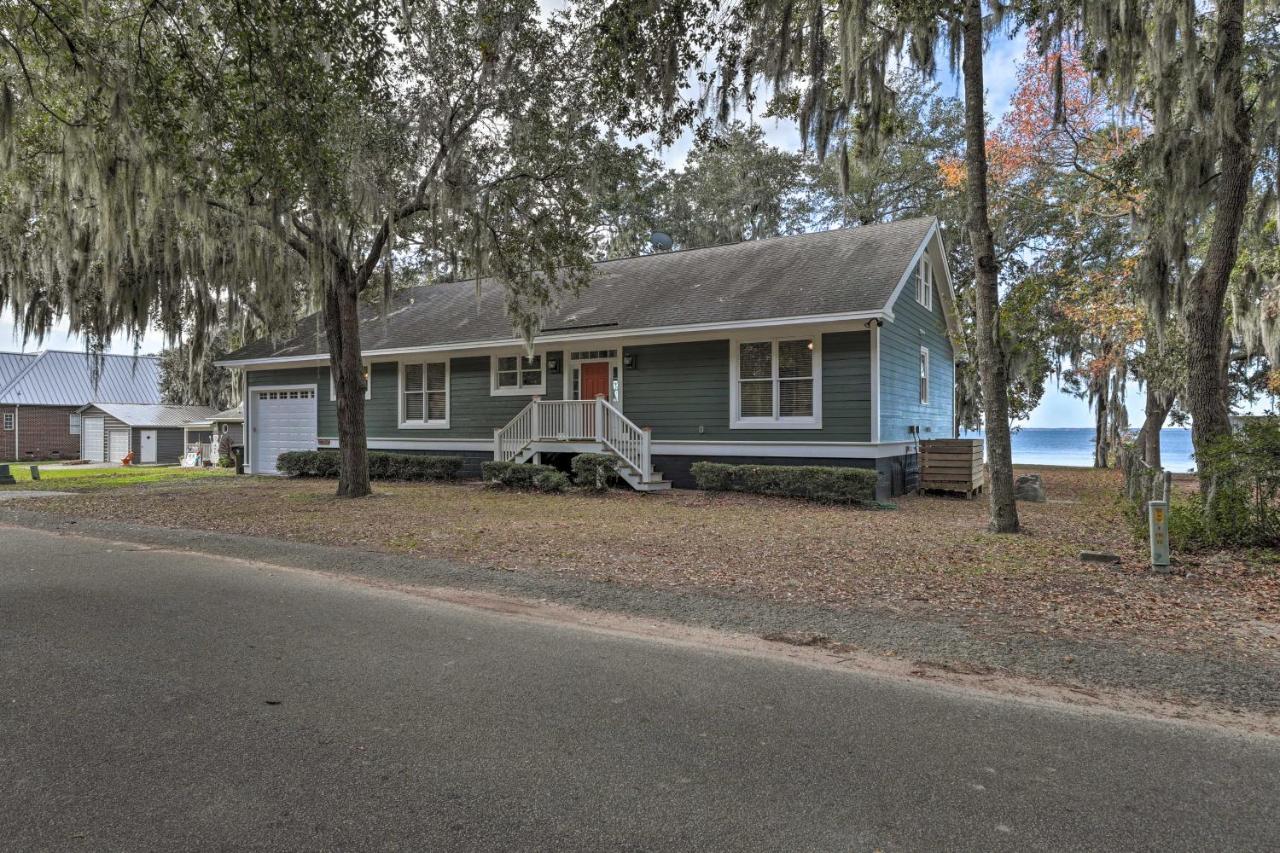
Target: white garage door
[93,439]
[119,444]
[282,421]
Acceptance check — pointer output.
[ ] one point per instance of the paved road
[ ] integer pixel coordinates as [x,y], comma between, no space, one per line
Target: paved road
[155,700]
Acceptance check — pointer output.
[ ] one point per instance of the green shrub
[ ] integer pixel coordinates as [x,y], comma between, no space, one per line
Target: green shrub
[382,466]
[596,472]
[225,461]
[811,482]
[524,475]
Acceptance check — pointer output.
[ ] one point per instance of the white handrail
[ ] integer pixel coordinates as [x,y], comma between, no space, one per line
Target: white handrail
[575,420]
[515,436]
[623,437]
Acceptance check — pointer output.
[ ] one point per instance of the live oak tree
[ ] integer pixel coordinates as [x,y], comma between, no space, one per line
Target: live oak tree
[176,163]
[1207,77]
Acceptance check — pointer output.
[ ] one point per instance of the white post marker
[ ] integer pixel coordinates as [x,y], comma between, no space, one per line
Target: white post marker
[1158,520]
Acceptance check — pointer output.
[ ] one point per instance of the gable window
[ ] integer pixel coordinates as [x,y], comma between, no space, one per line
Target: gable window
[424,395]
[517,374]
[924,283]
[368,384]
[924,375]
[73,423]
[776,384]
[8,420]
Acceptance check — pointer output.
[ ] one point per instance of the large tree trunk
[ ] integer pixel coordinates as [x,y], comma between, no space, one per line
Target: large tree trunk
[342,328]
[991,367]
[1206,396]
[1100,431]
[1156,412]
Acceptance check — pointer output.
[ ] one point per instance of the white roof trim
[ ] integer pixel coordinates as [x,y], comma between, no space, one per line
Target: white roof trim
[947,293]
[609,333]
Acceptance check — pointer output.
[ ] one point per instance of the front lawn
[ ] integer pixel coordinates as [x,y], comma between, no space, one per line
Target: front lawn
[75,479]
[931,558]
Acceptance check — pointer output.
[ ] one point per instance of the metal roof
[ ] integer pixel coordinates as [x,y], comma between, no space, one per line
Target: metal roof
[13,363]
[136,415]
[232,415]
[845,271]
[60,378]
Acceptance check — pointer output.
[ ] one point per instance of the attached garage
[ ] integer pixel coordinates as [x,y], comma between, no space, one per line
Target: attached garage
[281,420]
[153,434]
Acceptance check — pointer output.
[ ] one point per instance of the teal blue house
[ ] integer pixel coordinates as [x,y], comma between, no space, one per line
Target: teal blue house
[832,348]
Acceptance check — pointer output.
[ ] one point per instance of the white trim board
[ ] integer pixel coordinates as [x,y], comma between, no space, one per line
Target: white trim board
[947,293]
[632,337]
[802,450]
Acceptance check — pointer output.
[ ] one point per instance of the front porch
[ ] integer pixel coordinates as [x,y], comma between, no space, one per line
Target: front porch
[580,426]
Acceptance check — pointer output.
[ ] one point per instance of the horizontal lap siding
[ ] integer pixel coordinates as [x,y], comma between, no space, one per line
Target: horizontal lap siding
[473,412]
[915,326]
[677,388]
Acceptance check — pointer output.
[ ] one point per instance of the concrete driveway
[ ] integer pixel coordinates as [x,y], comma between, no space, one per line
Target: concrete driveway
[156,700]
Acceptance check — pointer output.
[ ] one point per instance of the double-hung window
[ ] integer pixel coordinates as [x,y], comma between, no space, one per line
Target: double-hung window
[73,424]
[776,383]
[924,375]
[8,420]
[924,283]
[424,395]
[517,374]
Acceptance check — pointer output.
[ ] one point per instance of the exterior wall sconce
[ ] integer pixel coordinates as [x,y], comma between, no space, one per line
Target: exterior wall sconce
[629,361]
[553,365]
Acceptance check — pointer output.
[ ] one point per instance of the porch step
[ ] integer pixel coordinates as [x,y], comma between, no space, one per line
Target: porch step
[652,483]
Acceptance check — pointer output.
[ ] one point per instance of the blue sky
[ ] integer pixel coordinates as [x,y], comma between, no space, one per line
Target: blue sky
[1058,409]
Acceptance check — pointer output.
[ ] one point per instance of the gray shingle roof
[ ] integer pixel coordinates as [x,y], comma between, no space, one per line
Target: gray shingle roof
[156,416]
[59,378]
[829,272]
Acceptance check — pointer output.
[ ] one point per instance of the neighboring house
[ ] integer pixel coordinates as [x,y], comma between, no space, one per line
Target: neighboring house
[41,395]
[831,348]
[154,433]
[206,434]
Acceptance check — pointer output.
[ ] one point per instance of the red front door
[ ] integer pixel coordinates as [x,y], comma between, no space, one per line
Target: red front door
[594,380]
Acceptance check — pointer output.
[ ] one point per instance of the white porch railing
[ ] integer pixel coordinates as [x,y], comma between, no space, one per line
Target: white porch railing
[595,420]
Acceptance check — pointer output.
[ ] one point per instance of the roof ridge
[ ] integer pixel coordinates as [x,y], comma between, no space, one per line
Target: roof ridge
[674,252]
[17,377]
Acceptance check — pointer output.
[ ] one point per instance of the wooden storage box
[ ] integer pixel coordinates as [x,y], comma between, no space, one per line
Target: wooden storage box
[951,465]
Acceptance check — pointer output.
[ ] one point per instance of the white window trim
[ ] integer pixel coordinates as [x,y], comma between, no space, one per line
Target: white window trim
[735,389]
[74,421]
[924,284]
[925,376]
[368,385]
[518,390]
[448,395]
[8,421]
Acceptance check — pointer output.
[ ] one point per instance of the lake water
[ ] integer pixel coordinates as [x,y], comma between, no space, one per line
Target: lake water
[1075,447]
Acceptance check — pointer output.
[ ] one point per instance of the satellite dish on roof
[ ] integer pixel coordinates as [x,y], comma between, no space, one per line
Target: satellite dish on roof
[661,241]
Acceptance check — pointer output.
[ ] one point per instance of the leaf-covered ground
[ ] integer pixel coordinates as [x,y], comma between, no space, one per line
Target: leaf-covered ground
[932,557]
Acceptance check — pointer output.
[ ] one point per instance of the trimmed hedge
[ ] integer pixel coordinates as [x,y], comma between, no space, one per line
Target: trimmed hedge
[524,475]
[810,482]
[595,471]
[382,466]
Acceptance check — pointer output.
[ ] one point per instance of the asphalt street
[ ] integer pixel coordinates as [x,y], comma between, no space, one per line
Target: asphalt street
[159,700]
